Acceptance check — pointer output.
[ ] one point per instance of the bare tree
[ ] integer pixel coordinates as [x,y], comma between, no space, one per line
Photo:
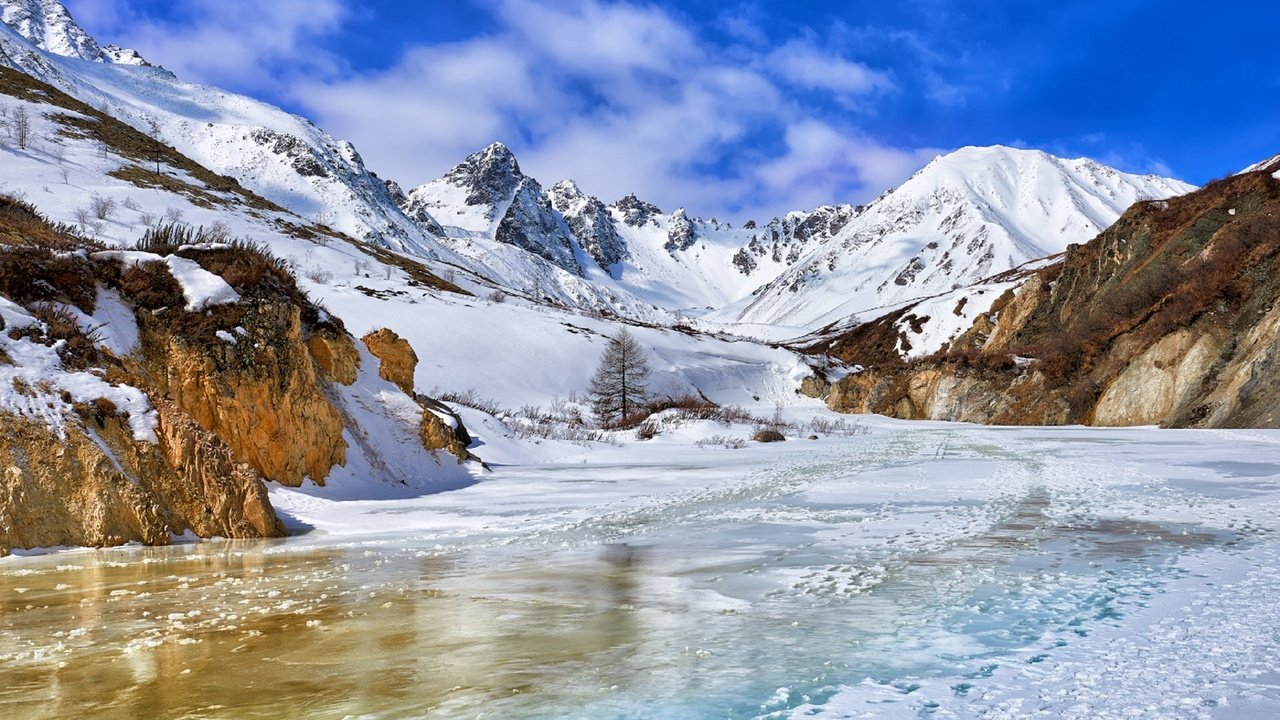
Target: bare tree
[20,126]
[620,385]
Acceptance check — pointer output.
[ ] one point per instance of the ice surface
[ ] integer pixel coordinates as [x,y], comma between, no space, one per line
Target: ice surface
[921,570]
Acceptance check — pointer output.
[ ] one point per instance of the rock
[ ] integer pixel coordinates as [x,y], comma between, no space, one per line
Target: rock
[335,355]
[437,434]
[109,488]
[262,396]
[397,356]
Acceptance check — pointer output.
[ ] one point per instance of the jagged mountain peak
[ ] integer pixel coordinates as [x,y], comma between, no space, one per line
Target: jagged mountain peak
[566,189]
[49,26]
[636,212]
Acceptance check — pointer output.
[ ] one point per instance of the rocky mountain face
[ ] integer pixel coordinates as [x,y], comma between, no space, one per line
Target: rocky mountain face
[487,195]
[964,217]
[591,224]
[1169,317]
[786,239]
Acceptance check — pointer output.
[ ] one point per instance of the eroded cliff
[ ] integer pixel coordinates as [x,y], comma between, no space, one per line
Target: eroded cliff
[1168,317]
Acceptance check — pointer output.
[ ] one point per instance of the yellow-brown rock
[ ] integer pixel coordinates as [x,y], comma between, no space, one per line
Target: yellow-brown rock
[71,491]
[397,357]
[335,354]
[437,435]
[261,395]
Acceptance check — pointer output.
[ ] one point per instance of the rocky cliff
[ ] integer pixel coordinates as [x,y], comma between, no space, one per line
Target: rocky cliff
[1168,317]
[215,375]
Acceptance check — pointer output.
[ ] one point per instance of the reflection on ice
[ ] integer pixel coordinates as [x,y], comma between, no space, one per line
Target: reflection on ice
[892,576]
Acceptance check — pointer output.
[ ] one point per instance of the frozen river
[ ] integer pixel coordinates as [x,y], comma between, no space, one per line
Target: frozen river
[921,570]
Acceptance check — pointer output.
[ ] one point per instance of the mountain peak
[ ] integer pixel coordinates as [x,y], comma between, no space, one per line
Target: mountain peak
[50,27]
[490,176]
[566,189]
[636,212]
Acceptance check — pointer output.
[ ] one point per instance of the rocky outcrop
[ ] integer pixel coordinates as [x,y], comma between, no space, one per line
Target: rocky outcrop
[590,222]
[1171,316]
[335,355]
[98,485]
[681,233]
[398,360]
[261,394]
[636,212]
[440,428]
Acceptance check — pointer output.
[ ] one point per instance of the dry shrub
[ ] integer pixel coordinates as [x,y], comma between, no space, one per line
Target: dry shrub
[768,436]
[646,431]
[725,441]
[21,224]
[150,285]
[79,348]
[37,274]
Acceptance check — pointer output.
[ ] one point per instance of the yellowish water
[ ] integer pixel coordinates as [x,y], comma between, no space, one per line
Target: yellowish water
[252,630]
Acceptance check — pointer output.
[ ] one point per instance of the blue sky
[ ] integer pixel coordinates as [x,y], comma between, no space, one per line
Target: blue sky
[738,108]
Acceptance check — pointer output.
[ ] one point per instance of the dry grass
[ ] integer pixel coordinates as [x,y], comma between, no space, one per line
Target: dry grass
[22,225]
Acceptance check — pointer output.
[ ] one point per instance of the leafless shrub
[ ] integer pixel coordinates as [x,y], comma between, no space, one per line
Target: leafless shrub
[725,441]
[319,276]
[470,398]
[218,232]
[838,427]
[83,218]
[102,207]
[497,296]
[131,204]
[172,216]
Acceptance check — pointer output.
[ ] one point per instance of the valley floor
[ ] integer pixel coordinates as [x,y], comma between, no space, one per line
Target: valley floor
[916,570]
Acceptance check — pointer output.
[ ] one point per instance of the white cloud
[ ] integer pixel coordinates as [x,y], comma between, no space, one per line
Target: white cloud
[822,163]
[800,63]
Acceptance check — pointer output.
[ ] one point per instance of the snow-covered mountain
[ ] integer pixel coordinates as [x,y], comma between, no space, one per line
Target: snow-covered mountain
[48,25]
[965,216]
[632,247]
[280,156]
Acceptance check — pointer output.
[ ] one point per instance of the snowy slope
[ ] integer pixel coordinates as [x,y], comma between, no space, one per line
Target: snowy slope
[280,156]
[964,217]
[514,351]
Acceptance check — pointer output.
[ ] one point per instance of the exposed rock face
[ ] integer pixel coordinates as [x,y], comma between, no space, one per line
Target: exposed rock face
[636,212]
[682,233]
[335,355]
[109,488]
[397,356]
[590,222]
[530,223]
[786,238]
[437,434]
[260,395]
[1170,316]
[490,176]
[440,428]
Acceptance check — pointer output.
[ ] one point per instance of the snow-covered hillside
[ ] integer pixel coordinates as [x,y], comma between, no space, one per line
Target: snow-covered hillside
[281,156]
[965,216]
